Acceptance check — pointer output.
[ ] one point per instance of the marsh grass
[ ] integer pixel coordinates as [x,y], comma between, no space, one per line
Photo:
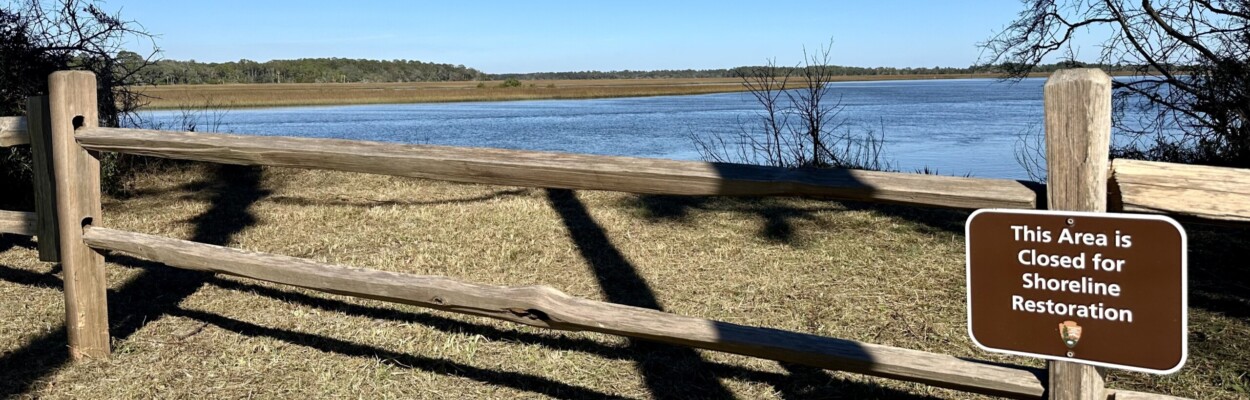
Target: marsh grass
[293,94]
[878,274]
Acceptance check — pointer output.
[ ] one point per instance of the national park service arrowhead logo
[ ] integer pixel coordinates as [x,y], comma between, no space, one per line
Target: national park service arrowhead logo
[1070,333]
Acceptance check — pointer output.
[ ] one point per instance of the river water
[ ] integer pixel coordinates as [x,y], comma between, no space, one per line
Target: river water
[958,127]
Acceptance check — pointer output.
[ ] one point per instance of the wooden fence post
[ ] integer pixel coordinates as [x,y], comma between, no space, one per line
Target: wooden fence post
[39,125]
[76,175]
[1078,140]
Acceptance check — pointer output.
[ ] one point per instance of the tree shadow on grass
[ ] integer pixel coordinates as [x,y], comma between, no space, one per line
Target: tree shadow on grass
[669,371]
[152,294]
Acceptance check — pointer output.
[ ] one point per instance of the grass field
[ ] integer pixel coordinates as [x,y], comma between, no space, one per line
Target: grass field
[292,94]
[879,274]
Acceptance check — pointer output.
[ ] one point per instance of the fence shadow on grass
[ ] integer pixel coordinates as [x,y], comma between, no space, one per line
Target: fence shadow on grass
[799,383]
[364,202]
[152,294]
[24,277]
[928,220]
[1219,279]
[8,241]
[778,217]
[503,378]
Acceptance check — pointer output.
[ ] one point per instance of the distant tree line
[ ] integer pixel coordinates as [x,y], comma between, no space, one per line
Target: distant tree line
[327,70]
[833,70]
[305,70]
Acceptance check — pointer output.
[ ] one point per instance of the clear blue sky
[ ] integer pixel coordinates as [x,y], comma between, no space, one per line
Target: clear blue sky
[530,36]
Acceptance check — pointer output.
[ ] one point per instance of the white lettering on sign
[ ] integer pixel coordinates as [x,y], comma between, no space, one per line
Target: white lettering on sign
[1097,262]
[1092,310]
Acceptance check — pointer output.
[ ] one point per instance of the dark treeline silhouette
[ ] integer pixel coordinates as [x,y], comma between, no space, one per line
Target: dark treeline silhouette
[326,70]
[305,70]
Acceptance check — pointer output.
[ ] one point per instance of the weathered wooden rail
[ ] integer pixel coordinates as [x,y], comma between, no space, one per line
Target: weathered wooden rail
[546,307]
[1186,191]
[563,170]
[13,131]
[17,222]
[1078,126]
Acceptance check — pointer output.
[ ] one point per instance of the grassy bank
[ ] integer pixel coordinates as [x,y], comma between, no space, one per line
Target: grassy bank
[887,275]
[293,94]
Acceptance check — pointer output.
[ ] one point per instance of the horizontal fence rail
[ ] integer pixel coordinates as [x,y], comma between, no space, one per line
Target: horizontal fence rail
[1116,394]
[562,170]
[1214,193]
[1211,193]
[13,131]
[546,307]
[18,222]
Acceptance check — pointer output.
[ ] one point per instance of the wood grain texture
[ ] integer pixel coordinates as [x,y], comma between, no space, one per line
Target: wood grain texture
[17,222]
[40,127]
[562,170]
[72,100]
[545,307]
[13,131]
[1185,190]
[1078,143]
[1131,395]
[1078,139]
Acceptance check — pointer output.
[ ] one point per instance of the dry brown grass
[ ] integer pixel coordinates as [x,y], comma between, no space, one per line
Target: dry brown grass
[886,275]
[269,95]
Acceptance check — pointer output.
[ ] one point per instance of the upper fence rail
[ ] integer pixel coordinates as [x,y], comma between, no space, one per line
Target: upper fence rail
[13,131]
[1194,191]
[563,170]
[1209,193]
[1187,191]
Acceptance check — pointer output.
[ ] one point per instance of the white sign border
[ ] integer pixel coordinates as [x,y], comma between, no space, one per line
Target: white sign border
[1184,285]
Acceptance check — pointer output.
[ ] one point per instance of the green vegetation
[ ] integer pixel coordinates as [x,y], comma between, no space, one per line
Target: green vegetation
[40,37]
[510,83]
[307,70]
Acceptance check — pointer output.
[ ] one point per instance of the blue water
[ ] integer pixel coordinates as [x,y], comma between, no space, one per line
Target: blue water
[964,126]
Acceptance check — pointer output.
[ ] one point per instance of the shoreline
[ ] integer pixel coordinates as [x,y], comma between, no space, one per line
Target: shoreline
[272,95]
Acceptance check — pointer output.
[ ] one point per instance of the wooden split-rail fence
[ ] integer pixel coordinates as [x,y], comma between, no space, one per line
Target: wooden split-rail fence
[63,130]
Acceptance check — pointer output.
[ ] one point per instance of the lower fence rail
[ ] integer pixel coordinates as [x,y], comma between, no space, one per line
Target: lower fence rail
[18,222]
[545,307]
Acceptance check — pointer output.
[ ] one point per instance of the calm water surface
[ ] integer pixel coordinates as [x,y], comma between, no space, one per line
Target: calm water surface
[964,126]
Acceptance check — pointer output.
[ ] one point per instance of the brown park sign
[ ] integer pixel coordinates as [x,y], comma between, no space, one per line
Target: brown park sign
[1095,288]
